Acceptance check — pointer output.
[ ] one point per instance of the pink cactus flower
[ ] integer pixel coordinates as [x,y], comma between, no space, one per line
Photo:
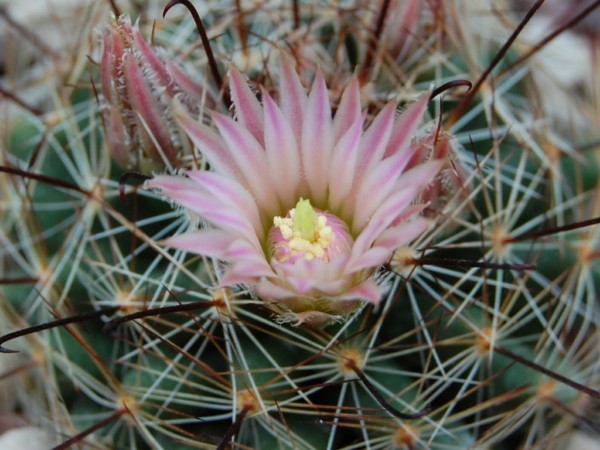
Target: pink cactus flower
[303,207]
[138,85]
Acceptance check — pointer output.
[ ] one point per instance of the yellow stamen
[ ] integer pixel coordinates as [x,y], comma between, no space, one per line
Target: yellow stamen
[306,232]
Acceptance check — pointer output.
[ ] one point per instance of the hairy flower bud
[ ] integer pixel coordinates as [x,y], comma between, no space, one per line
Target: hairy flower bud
[139,84]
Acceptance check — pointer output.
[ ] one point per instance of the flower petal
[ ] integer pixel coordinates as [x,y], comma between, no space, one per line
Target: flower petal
[377,185]
[210,144]
[384,216]
[192,196]
[250,159]
[409,184]
[317,140]
[388,241]
[282,150]
[243,272]
[397,236]
[343,164]
[376,138]
[247,107]
[406,125]
[368,291]
[292,95]
[371,259]
[209,242]
[270,291]
[231,193]
[349,110]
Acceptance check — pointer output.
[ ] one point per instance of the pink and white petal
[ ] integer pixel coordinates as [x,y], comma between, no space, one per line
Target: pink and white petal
[210,144]
[241,250]
[376,186]
[343,166]
[376,138]
[250,159]
[242,272]
[371,259]
[388,241]
[232,222]
[420,175]
[368,291]
[211,209]
[298,275]
[282,150]
[210,242]
[231,193]
[293,97]
[382,218]
[406,125]
[170,183]
[349,110]
[321,271]
[403,234]
[410,183]
[247,107]
[301,285]
[270,291]
[331,287]
[410,213]
[317,140]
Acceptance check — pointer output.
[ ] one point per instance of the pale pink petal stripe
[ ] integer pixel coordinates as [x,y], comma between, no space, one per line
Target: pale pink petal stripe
[231,193]
[292,95]
[406,125]
[343,165]
[317,140]
[209,208]
[241,250]
[402,234]
[371,259]
[247,107]
[171,183]
[383,217]
[243,272]
[412,181]
[388,241]
[282,151]
[368,291]
[377,185]
[270,291]
[376,138]
[210,145]
[349,110]
[209,242]
[250,159]
[301,285]
[227,220]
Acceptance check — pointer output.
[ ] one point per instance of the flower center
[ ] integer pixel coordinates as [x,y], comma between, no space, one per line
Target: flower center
[308,234]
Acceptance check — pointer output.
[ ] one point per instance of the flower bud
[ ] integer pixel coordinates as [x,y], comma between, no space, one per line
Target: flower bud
[139,84]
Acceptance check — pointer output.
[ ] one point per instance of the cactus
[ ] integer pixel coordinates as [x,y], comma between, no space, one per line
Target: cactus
[142,320]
